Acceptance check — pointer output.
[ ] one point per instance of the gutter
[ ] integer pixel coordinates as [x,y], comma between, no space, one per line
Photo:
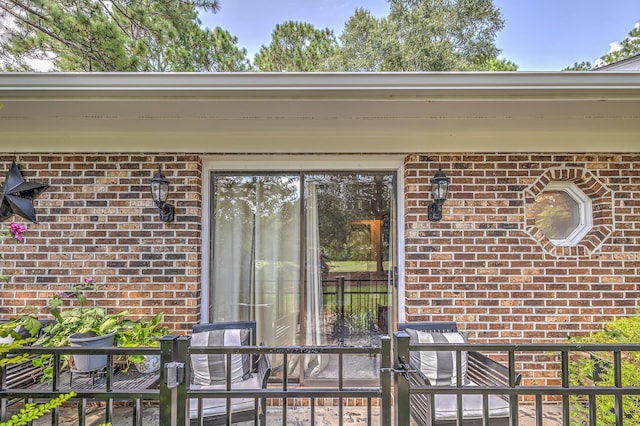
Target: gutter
[528,85]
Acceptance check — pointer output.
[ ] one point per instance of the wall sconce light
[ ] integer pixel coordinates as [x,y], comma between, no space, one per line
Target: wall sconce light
[159,192]
[439,193]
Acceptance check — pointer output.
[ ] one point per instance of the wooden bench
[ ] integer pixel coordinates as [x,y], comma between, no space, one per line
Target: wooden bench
[481,371]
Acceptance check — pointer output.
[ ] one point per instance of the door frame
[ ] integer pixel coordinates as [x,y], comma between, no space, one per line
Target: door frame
[283,162]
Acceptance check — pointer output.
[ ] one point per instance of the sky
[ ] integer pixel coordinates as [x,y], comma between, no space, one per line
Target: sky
[539,35]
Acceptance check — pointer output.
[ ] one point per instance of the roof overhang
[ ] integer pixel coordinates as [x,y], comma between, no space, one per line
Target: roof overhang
[320,112]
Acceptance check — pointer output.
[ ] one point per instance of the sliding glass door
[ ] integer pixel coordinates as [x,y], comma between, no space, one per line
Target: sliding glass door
[308,256]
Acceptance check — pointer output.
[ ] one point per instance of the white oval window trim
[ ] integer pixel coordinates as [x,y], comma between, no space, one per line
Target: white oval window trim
[584,209]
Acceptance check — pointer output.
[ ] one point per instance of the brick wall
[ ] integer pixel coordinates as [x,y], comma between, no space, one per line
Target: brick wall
[484,265]
[97,220]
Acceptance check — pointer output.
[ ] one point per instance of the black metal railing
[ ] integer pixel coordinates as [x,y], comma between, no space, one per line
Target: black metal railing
[608,391]
[579,401]
[119,381]
[170,389]
[354,295]
[355,307]
[279,394]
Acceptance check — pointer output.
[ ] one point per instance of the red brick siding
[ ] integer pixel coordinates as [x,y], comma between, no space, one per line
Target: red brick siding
[480,268]
[97,220]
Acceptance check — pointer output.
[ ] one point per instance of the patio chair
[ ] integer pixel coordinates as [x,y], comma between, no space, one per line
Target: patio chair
[440,366]
[208,372]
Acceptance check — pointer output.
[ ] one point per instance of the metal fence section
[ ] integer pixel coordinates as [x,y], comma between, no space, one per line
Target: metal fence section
[595,382]
[281,392]
[355,307]
[592,384]
[118,382]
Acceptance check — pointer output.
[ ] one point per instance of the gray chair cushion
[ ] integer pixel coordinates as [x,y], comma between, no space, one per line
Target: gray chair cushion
[438,366]
[446,407]
[211,369]
[218,406]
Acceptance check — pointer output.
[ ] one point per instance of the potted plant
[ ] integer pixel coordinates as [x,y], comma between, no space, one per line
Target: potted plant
[80,325]
[143,333]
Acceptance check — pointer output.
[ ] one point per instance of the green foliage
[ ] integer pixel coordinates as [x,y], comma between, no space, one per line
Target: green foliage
[630,46]
[496,64]
[121,35]
[31,411]
[148,35]
[598,370]
[582,66]
[423,35]
[361,43]
[142,333]
[297,46]
[554,214]
[17,359]
[79,319]
[343,201]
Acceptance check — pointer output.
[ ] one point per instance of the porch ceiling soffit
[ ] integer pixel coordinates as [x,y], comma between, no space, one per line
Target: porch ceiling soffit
[245,113]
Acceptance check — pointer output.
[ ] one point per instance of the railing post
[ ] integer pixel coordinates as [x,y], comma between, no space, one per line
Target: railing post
[385,380]
[341,320]
[402,413]
[167,393]
[182,403]
[513,399]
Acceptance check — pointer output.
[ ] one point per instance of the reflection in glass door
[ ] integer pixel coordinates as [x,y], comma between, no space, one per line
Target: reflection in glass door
[348,261]
[308,256]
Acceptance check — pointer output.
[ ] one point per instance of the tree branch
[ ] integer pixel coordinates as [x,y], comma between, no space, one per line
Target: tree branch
[51,34]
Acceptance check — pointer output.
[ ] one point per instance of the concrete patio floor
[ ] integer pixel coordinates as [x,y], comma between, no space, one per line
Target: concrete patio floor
[296,416]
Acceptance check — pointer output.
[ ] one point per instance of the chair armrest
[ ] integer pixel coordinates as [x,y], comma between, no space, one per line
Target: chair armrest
[263,370]
[486,372]
[420,410]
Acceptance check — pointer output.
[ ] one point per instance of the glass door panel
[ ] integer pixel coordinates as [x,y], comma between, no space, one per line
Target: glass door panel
[256,254]
[348,263]
[311,271]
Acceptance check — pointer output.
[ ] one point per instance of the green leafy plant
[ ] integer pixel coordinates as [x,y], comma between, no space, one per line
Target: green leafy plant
[142,333]
[9,329]
[597,369]
[31,411]
[79,319]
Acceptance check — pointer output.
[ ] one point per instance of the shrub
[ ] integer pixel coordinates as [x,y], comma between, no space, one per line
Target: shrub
[598,370]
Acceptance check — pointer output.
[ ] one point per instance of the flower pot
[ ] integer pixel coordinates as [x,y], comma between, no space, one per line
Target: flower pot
[90,340]
[150,364]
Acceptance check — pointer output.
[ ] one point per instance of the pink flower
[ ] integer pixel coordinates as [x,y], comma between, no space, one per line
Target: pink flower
[17,230]
[89,280]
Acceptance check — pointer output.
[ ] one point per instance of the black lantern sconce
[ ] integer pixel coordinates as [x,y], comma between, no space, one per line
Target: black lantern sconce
[439,193]
[159,192]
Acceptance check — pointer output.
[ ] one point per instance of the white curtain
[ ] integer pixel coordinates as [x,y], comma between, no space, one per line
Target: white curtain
[256,255]
[315,332]
[232,248]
